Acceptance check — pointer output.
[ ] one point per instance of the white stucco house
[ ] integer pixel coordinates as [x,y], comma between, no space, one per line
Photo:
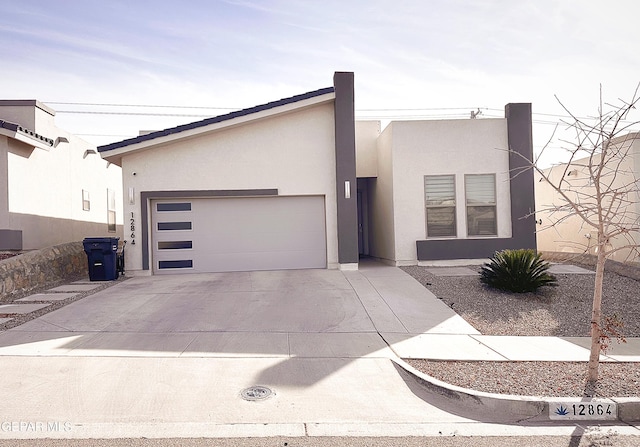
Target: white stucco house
[54,187]
[298,183]
[561,231]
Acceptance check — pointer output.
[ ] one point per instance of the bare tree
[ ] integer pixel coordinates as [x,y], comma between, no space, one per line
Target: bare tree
[599,186]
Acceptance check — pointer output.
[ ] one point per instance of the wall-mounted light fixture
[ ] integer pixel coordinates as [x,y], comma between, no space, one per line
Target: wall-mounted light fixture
[89,152]
[347,189]
[132,196]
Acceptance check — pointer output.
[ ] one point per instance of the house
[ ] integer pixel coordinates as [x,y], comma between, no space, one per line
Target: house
[298,183]
[562,231]
[55,188]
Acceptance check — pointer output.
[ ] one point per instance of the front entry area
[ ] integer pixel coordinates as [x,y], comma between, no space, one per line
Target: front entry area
[238,234]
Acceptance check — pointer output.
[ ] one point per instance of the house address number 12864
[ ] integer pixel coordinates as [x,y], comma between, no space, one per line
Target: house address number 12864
[133,229]
[601,409]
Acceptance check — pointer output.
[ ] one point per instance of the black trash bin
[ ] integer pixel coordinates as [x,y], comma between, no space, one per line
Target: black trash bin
[101,255]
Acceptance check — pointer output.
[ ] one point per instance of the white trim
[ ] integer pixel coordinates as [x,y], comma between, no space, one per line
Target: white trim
[24,139]
[348,267]
[115,155]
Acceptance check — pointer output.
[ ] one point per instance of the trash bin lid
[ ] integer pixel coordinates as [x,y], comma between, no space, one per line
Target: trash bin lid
[103,243]
[106,240]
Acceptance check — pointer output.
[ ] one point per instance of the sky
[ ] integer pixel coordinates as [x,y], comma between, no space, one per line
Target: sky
[431,59]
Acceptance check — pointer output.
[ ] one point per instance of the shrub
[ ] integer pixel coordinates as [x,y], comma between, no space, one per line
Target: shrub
[517,271]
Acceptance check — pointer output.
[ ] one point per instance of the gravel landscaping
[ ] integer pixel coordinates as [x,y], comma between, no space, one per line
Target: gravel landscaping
[564,310]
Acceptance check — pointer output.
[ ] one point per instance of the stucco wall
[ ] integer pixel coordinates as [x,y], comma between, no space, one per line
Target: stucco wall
[562,233]
[367,133]
[381,228]
[293,153]
[445,147]
[44,187]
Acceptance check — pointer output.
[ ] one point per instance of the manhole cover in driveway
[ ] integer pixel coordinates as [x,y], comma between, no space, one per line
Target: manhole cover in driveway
[256,393]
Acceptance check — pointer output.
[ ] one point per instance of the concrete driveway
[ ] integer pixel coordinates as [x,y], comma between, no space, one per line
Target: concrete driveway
[301,313]
[168,356]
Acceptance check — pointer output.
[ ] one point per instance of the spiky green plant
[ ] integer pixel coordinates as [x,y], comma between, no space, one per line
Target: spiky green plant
[517,271]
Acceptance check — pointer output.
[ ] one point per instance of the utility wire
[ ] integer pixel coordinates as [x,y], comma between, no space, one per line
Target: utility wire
[163,106]
[87,112]
[384,113]
[138,105]
[465,113]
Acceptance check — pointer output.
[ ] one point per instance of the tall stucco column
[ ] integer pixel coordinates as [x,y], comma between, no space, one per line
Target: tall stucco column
[346,187]
[520,136]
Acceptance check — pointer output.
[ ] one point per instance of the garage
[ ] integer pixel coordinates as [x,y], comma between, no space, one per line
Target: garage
[238,234]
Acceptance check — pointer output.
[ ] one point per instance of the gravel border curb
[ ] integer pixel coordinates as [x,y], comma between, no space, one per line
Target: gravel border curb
[520,408]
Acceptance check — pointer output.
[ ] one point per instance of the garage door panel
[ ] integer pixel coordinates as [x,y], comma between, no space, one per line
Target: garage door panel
[233,262]
[240,234]
[266,241]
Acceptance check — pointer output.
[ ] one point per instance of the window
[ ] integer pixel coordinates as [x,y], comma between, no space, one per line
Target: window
[86,203]
[170,226]
[111,210]
[182,264]
[174,206]
[440,202]
[480,192]
[175,245]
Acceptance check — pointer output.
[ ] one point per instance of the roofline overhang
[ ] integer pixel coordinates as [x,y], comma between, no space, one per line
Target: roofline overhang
[626,138]
[115,151]
[26,136]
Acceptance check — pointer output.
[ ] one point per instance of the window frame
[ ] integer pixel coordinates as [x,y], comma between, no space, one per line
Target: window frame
[453,207]
[86,200]
[111,211]
[493,205]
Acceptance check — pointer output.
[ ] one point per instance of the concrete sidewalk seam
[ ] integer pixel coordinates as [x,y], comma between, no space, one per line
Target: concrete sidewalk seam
[490,348]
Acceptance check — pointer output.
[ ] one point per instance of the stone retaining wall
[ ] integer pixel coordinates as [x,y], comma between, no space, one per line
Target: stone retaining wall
[36,269]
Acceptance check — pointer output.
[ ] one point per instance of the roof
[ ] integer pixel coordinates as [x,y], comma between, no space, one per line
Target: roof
[216,119]
[27,103]
[17,130]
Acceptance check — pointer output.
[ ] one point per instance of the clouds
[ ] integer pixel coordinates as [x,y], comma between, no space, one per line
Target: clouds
[238,53]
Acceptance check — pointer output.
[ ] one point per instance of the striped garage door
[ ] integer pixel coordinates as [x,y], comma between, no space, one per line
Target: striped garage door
[238,234]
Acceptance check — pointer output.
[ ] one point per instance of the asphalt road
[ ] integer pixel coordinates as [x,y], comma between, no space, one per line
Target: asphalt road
[597,439]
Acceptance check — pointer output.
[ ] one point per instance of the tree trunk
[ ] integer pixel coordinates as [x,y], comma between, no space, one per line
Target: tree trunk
[596,317]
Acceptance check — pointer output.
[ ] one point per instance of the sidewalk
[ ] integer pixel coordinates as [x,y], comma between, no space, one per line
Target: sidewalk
[412,322]
[444,335]
[169,356]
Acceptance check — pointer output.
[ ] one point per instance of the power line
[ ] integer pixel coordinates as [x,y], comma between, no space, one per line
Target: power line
[424,108]
[395,113]
[101,135]
[88,112]
[165,106]
[138,105]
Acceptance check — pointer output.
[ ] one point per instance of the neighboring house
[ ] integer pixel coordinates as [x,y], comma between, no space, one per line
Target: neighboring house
[560,232]
[54,187]
[297,183]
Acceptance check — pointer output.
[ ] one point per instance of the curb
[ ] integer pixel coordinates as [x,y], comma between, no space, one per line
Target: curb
[521,408]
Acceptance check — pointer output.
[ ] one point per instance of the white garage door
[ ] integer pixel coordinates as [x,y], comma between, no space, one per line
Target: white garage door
[238,234]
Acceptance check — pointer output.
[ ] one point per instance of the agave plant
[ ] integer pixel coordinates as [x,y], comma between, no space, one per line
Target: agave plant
[517,271]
